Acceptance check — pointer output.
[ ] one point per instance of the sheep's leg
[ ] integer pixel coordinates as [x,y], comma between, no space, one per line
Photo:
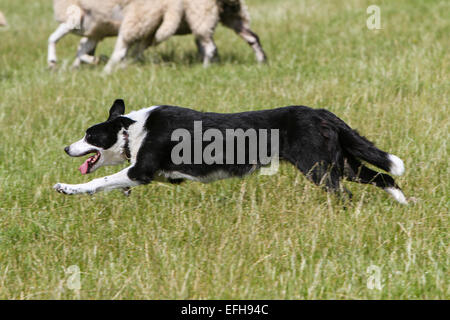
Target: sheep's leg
[137,51]
[92,51]
[244,31]
[201,50]
[207,49]
[120,52]
[85,53]
[253,40]
[60,32]
[168,27]
[89,57]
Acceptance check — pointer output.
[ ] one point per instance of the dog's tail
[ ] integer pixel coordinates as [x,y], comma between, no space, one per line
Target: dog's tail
[359,147]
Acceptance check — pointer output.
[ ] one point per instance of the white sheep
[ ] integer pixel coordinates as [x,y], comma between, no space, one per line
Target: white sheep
[142,23]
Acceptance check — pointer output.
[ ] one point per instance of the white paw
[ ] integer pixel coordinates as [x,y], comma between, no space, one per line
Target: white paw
[66,188]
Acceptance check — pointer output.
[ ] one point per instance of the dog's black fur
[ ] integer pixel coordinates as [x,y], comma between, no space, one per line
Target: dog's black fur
[317,142]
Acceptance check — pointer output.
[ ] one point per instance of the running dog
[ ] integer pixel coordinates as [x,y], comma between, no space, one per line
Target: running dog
[316,141]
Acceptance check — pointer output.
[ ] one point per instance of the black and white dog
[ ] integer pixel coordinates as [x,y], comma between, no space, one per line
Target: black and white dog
[318,143]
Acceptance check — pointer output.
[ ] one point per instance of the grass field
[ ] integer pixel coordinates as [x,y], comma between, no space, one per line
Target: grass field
[265,237]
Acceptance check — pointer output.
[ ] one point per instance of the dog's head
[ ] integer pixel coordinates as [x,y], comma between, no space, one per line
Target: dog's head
[106,140]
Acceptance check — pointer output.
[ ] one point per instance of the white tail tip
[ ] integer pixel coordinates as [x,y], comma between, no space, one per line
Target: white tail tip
[397,166]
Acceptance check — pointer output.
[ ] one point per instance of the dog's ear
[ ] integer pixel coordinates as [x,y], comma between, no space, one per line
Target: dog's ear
[117,109]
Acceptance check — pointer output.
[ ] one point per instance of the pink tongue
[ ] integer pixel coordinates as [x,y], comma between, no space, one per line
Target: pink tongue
[84,167]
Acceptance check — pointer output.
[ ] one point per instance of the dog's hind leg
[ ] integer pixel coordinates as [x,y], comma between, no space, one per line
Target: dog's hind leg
[357,172]
[329,178]
[320,173]
[120,180]
[320,170]
[331,181]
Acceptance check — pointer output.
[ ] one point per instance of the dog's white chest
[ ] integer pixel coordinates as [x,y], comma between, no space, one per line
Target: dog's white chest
[136,131]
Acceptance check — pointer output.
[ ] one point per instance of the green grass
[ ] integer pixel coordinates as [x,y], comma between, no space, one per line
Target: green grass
[265,237]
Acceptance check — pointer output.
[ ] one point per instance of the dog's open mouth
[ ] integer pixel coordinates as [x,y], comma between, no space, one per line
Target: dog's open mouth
[89,163]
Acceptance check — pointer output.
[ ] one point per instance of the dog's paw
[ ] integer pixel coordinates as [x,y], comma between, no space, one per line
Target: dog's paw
[65,188]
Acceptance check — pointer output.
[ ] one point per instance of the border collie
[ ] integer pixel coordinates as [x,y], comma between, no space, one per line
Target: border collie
[317,142]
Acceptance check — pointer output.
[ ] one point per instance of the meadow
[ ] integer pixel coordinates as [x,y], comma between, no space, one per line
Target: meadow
[264,237]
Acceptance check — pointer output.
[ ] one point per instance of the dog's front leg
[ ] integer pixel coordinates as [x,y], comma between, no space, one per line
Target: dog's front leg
[115,181]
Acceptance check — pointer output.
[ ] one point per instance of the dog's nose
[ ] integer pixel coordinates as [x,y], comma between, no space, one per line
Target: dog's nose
[66,149]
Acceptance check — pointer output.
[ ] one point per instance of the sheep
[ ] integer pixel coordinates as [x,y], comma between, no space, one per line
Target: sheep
[142,23]
[3,22]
